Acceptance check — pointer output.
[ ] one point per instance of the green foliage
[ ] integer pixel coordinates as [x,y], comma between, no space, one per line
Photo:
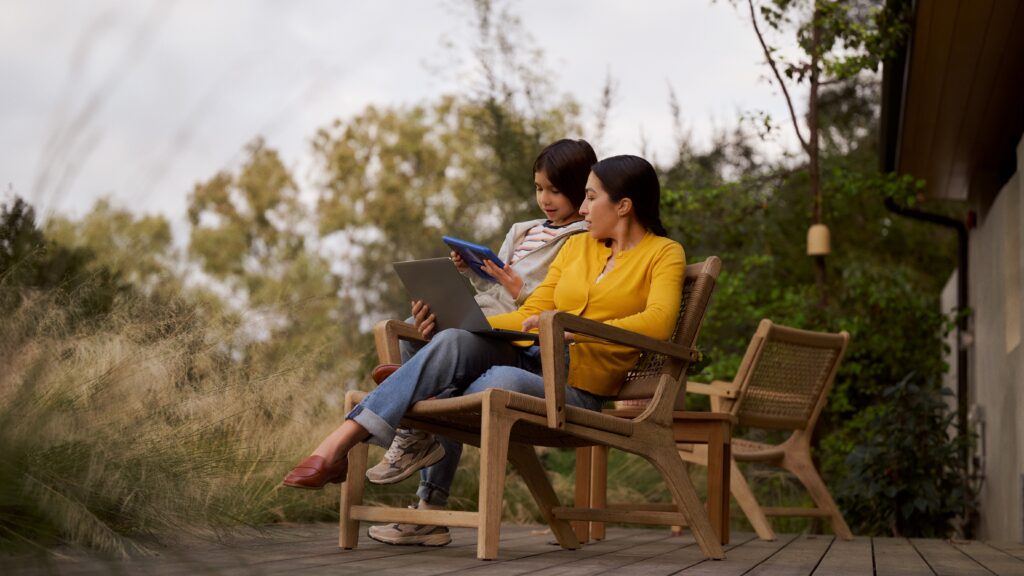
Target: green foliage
[902,474]
[30,263]
[394,179]
[138,247]
[851,36]
[727,202]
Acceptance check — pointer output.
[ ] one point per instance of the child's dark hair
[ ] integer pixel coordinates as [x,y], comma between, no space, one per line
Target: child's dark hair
[634,178]
[566,163]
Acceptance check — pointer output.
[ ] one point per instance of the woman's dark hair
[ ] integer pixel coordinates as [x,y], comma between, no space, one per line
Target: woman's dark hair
[634,178]
[566,163]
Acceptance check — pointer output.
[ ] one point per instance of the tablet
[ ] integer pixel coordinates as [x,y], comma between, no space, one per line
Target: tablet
[474,255]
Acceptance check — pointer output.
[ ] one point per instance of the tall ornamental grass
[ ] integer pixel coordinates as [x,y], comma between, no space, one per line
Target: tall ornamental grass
[143,424]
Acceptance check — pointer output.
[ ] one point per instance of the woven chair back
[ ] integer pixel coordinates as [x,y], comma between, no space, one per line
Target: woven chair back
[786,375]
[698,284]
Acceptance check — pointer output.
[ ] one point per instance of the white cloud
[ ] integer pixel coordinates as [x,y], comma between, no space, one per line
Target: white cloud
[177,100]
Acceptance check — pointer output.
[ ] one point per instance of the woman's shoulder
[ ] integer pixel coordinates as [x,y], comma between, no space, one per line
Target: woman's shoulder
[581,242]
[664,245]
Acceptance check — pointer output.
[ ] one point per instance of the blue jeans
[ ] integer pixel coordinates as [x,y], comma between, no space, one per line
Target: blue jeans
[454,363]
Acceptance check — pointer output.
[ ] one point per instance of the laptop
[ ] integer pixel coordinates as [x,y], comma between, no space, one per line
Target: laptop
[438,282]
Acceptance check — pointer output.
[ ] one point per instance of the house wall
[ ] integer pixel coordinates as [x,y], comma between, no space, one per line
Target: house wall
[997,357]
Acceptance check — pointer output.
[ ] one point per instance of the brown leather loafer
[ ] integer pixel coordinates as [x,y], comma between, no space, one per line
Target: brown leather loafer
[382,371]
[313,473]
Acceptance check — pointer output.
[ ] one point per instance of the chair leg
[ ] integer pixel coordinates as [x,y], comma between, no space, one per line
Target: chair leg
[494,440]
[685,496]
[352,495]
[584,458]
[801,466]
[529,467]
[719,471]
[598,487]
[748,503]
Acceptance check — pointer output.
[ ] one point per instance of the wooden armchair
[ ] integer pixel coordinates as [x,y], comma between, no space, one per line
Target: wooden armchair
[507,425]
[782,384]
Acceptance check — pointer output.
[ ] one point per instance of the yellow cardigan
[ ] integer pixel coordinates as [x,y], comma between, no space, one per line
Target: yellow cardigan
[642,294]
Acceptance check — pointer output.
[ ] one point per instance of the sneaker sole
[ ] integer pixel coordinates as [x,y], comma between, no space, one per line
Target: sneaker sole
[431,540]
[428,459]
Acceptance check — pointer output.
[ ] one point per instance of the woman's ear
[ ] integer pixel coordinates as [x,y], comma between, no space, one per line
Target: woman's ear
[625,206]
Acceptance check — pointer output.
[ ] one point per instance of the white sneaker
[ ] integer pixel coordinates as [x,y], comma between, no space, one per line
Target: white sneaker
[411,534]
[409,451]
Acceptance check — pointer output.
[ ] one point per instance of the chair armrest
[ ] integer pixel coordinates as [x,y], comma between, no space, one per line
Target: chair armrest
[724,395]
[386,335]
[718,388]
[593,328]
[554,324]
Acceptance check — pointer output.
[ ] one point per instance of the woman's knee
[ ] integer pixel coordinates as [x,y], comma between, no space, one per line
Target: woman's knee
[456,337]
[509,378]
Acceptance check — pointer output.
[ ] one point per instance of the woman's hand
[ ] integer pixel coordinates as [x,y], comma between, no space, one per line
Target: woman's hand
[533,323]
[423,318]
[506,276]
[460,264]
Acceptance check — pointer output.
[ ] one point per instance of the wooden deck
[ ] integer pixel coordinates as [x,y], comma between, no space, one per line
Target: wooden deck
[312,549]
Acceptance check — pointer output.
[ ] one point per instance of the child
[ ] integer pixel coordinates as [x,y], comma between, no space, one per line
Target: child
[560,177]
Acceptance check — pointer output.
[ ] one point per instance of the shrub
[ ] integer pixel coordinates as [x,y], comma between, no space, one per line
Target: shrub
[903,473]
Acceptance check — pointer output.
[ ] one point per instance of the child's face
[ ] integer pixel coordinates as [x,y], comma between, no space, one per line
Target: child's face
[556,206]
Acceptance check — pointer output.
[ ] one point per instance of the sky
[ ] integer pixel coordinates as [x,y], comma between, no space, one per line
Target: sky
[139,100]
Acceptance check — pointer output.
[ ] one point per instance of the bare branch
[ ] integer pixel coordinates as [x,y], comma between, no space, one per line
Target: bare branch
[778,76]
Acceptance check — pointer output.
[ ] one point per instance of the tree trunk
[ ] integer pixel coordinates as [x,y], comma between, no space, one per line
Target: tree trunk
[813,152]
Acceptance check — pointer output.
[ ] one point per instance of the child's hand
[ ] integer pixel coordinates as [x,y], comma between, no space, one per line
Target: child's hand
[506,276]
[459,262]
[422,317]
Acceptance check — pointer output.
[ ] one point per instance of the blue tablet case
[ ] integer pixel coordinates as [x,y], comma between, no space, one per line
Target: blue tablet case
[474,255]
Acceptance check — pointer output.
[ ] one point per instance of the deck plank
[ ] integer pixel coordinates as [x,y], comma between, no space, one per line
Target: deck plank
[741,559]
[847,558]
[998,562]
[312,549]
[946,560]
[799,558]
[671,561]
[513,560]
[897,557]
[1015,549]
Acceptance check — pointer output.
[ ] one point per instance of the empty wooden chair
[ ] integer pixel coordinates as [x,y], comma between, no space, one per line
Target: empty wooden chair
[782,384]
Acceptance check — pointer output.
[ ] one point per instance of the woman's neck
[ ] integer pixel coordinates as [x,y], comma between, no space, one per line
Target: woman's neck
[628,234]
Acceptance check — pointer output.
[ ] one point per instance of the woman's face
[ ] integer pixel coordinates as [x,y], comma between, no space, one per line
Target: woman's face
[556,206]
[599,209]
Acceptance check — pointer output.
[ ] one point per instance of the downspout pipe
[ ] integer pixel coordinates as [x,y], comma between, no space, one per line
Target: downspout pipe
[895,74]
[961,305]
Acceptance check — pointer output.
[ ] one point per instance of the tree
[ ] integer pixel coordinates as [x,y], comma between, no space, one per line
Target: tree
[32,263]
[140,248]
[729,201]
[393,181]
[249,231]
[839,40]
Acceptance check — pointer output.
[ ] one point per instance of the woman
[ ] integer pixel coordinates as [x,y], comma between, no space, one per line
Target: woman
[625,272]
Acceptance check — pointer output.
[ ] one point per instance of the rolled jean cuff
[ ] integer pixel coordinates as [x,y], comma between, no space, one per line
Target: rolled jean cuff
[381,433]
[432,494]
